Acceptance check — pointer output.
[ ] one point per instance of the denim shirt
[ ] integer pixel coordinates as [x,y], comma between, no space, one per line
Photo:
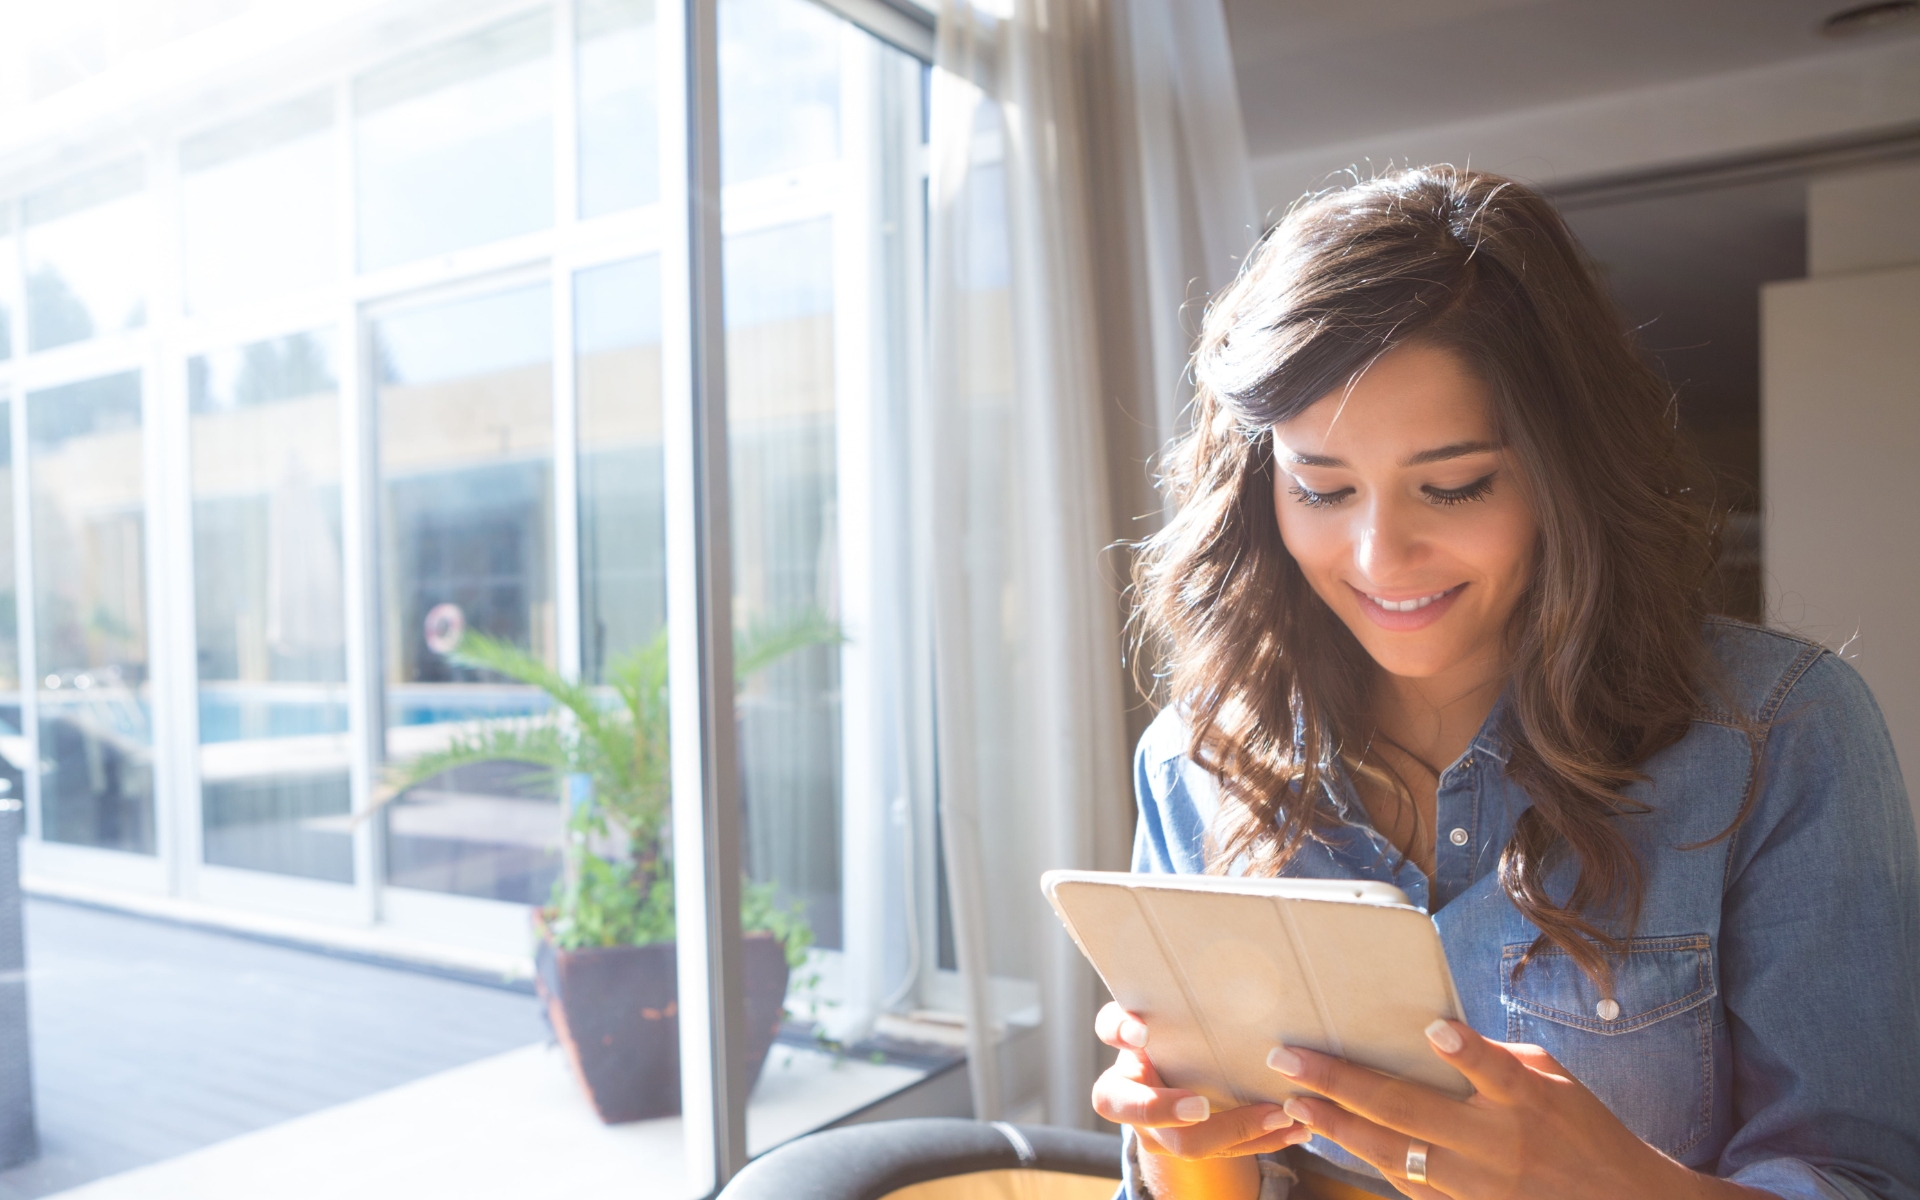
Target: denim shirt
[1768,1028]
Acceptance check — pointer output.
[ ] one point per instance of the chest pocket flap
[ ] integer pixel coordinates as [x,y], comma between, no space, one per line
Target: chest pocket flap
[1646,1050]
[1657,978]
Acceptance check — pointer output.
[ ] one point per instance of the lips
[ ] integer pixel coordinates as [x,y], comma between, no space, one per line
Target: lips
[1409,613]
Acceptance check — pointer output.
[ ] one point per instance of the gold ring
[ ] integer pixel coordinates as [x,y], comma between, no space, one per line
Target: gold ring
[1417,1160]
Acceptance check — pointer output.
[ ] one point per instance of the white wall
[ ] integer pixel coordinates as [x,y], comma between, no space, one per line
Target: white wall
[1840,438]
[1864,221]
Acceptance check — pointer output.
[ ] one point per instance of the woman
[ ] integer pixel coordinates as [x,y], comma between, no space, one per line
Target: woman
[1432,612]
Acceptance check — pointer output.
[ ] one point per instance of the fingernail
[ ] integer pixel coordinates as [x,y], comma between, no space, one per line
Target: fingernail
[1285,1061]
[1445,1037]
[1134,1034]
[1298,1111]
[1277,1119]
[1299,1135]
[1193,1108]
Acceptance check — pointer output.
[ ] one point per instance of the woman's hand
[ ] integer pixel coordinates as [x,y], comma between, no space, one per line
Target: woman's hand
[1530,1129]
[1187,1151]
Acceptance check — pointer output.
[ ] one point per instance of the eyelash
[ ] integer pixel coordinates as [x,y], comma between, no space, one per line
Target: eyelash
[1320,499]
[1477,490]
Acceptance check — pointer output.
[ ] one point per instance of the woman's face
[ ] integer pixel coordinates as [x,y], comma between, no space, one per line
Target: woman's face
[1406,516]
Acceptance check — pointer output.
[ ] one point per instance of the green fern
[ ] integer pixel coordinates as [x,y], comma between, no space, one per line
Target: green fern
[617,738]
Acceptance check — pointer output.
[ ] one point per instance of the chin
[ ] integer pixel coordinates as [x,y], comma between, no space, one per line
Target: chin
[1407,657]
[1411,666]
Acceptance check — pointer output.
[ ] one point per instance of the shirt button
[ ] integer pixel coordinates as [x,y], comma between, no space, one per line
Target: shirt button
[1608,1009]
[1458,837]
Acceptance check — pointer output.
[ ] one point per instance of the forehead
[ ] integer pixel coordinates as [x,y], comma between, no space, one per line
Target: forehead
[1412,398]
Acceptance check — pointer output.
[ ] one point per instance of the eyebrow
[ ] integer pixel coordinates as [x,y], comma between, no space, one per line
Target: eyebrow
[1437,454]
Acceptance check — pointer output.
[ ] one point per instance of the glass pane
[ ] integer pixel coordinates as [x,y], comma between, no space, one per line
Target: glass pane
[90,613]
[779,86]
[86,253]
[837,829]
[256,205]
[269,603]
[14,758]
[780,383]
[454,145]
[619,130]
[9,284]
[463,392]
[622,522]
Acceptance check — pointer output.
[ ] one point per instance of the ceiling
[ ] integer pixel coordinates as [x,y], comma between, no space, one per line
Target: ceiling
[1319,72]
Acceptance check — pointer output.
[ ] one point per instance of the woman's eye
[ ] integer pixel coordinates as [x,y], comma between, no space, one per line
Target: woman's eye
[1313,499]
[1477,490]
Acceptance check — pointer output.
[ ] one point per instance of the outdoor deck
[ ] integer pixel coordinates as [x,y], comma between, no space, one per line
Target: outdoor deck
[151,1040]
[172,1063]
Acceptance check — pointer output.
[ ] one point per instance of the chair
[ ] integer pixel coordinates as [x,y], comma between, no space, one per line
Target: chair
[935,1158]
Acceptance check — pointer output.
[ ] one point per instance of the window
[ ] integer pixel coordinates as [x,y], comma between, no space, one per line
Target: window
[85,253]
[256,204]
[623,588]
[14,763]
[269,590]
[454,144]
[344,375]
[86,446]
[619,125]
[464,395]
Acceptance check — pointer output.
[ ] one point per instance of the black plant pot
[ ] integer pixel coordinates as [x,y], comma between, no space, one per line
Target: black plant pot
[616,1011]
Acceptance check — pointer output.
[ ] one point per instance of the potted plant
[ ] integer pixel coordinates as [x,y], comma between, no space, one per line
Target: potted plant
[605,956]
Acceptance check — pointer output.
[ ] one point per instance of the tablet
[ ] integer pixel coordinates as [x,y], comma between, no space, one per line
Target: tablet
[1222,970]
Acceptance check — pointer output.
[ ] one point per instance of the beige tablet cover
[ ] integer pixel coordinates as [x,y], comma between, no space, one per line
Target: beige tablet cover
[1222,970]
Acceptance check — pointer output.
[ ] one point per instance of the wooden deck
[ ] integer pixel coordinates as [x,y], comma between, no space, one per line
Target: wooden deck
[151,1040]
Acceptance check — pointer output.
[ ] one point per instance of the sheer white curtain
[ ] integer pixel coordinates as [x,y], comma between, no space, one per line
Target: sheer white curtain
[1196,184]
[1084,186]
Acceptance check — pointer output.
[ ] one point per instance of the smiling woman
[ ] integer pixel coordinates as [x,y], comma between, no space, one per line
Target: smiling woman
[1432,612]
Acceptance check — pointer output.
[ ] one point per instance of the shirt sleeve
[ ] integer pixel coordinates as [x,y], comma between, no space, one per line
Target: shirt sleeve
[1150,855]
[1820,956]
[1175,800]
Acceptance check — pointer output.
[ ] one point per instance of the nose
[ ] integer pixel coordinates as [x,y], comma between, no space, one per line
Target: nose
[1387,540]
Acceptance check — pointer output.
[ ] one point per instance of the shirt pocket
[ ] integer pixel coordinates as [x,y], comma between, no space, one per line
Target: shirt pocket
[1646,1050]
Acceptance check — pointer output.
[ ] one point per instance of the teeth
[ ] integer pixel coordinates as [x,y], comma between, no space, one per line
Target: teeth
[1406,605]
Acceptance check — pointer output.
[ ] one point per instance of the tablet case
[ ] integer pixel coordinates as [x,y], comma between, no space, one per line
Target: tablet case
[1222,970]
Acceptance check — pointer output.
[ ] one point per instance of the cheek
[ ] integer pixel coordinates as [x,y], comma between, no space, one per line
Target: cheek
[1316,542]
[1501,547]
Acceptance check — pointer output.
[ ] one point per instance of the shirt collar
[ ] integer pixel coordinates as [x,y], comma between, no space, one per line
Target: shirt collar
[1490,741]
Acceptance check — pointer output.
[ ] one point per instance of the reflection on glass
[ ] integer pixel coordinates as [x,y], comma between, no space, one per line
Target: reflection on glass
[464,397]
[454,144]
[86,253]
[780,408]
[14,758]
[90,613]
[268,606]
[779,86]
[8,259]
[619,132]
[622,522]
[256,205]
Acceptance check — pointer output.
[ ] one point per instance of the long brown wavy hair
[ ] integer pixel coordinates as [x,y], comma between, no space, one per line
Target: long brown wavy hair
[1605,647]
